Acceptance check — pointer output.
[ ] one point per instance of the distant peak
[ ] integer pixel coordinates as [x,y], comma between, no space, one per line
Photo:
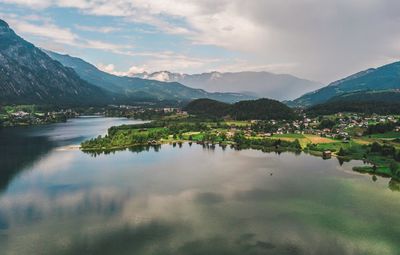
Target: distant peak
[4,28]
[3,24]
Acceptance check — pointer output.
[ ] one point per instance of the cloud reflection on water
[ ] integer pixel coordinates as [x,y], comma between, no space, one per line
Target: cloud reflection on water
[224,202]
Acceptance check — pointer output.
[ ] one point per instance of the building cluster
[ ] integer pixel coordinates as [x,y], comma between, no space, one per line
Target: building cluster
[344,126]
[26,118]
[132,111]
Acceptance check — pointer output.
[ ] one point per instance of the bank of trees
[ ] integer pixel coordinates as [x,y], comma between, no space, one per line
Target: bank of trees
[260,109]
[380,128]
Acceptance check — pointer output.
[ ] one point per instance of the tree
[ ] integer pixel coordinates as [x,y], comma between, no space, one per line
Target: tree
[376,147]
[342,152]
[239,138]
[397,156]
[297,144]
[387,150]
[393,168]
[223,136]
[327,123]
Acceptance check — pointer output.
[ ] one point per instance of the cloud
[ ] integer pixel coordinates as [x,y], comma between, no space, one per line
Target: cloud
[104,30]
[40,4]
[47,30]
[156,61]
[326,39]
[106,68]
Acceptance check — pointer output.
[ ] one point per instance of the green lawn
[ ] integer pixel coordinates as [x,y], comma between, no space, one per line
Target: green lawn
[238,123]
[295,136]
[387,135]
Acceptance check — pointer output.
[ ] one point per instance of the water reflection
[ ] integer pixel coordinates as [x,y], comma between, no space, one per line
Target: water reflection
[195,200]
[21,147]
[394,185]
[18,152]
[135,149]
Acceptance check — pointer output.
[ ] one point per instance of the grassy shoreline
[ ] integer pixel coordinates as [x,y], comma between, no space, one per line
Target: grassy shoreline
[383,158]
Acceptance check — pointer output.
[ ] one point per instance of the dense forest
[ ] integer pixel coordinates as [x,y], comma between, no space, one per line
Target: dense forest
[208,107]
[379,103]
[260,109]
[380,128]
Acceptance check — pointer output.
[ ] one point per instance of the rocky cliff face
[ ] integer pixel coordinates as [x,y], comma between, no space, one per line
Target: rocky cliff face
[28,75]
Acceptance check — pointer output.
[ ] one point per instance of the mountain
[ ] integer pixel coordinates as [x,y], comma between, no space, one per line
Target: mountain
[260,84]
[138,88]
[389,96]
[379,102]
[383,78]
[29,76]
[260,109]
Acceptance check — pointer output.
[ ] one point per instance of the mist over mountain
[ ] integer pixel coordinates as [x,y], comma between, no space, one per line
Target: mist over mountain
[260,84]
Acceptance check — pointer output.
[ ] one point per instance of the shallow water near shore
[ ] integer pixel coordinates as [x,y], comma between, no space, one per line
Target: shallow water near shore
[188,200]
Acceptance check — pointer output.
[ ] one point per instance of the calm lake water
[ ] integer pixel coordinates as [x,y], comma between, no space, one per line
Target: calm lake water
[189,200]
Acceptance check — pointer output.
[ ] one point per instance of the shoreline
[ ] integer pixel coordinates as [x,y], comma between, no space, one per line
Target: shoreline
[362,169]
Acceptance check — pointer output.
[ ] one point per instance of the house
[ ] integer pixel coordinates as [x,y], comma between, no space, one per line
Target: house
[168,110]
[327,154]
[266,134]
[20,114]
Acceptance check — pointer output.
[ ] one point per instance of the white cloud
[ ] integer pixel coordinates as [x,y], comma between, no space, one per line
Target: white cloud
[47,30]
[110,68]
[156,61]
[106,68]
[104,30]
[238,65]
[116,48]
[39,4]
[326,39]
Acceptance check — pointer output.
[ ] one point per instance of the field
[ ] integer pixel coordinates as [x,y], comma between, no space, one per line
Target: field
[238,123]
[391,138]
[387,135]
[304,139]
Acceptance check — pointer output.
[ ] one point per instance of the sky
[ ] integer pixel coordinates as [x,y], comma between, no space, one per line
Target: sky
[313,39]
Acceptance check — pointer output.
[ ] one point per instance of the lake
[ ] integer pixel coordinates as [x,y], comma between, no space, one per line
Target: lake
[55,199]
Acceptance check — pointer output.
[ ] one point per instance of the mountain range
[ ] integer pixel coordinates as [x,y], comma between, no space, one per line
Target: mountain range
[380,102]
[382,79]
[137,88]
[29,75]
[259,84]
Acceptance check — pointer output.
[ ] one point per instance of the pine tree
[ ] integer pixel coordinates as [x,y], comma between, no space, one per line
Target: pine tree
[342,152]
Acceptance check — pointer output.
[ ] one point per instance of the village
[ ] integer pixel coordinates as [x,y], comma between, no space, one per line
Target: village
[25,118]
[339,126]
